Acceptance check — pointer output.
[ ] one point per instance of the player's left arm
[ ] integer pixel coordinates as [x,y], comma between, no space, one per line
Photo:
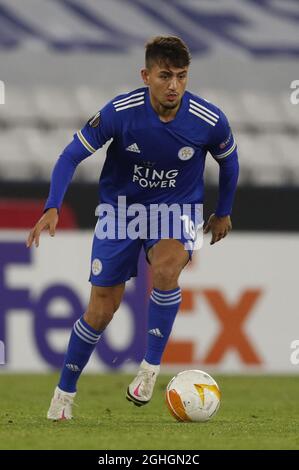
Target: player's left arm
[223,148]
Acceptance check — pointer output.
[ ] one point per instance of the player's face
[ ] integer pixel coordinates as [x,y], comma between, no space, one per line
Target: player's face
[167,84]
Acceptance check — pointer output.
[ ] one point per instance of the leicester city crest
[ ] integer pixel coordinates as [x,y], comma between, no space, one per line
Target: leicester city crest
[185,153]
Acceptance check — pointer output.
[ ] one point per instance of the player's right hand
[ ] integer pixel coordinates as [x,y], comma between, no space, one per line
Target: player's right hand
[48,222]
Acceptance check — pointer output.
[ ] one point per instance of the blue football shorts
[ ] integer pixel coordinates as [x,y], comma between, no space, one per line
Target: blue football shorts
[117,242]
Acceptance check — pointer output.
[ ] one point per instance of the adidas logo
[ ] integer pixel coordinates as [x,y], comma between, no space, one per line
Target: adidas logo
[73,367]
[156,332]
[133,148]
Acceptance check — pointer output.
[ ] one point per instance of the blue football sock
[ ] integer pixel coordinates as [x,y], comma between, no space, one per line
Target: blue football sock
[163,307]
[82,342]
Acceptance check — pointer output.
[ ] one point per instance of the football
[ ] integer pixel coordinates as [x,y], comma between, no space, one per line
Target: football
[193,396]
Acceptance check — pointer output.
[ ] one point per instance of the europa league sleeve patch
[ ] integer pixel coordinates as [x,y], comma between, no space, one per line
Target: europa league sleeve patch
[95,120]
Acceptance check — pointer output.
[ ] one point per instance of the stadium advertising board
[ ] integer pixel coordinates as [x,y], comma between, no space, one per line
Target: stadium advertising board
[237,312]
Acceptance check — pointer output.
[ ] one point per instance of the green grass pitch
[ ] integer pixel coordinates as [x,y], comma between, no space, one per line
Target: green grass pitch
[256,412]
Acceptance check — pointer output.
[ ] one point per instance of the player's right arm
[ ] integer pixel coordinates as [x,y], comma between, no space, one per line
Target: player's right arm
[48,221]
[98,130]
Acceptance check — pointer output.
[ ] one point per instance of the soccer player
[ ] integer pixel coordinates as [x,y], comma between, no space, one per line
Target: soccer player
[160,135]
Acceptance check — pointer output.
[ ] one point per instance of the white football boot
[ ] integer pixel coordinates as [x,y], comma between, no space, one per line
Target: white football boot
[61,405]
[141,389]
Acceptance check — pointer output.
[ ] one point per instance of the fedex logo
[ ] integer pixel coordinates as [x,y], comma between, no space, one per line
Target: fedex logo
[231,317]
[232,335]
[22,299]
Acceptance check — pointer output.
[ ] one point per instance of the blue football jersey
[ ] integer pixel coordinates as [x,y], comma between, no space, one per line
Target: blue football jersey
[151,161]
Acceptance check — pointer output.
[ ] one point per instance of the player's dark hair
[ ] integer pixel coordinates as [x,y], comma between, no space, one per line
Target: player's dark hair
[169,50]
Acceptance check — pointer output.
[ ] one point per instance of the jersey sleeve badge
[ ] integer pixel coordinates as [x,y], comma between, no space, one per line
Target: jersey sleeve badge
[95,120]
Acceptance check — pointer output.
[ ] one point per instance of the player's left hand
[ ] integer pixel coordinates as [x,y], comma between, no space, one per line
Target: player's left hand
[219,226]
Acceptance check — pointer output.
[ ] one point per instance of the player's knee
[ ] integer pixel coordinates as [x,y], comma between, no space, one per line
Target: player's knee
[98,319]
[166,272]
[101,309]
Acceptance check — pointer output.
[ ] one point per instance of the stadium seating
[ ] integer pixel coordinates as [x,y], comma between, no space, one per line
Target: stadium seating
[36,124]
